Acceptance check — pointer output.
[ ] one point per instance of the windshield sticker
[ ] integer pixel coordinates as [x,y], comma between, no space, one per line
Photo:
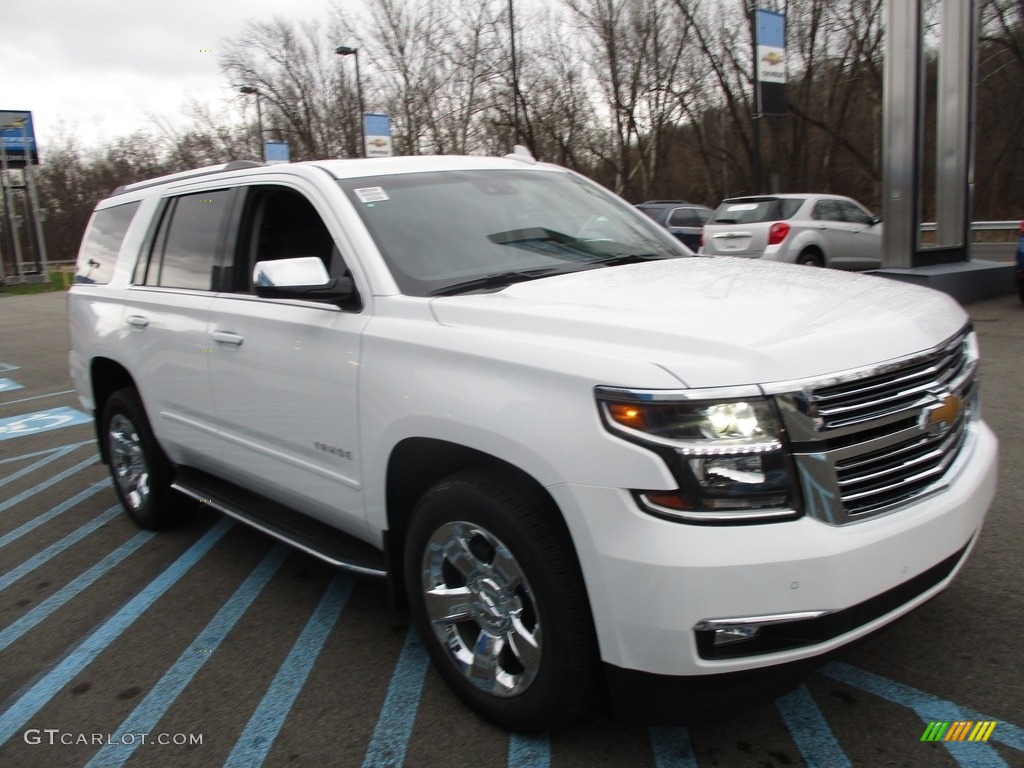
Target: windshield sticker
[738,207]
[371,194]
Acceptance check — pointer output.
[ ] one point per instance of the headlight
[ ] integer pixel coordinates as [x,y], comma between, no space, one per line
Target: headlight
[723,446]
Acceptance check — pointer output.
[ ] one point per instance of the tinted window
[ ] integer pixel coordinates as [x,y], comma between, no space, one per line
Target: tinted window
[687,217]
[827,210]
[853,213]
[102,242]
[186,251]
[755,210]
[281,223]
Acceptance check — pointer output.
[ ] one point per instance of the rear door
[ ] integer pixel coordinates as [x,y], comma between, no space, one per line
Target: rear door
[164,323]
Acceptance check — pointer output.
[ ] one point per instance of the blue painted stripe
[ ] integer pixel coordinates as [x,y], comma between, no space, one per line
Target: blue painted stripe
[394,724]
[8,366]
[927,707]
[59,598]
[266,722]
[57,547]
[147,714]
[4,506]
[54,455]
[46,517]
[810,730]
[528,751]
[9,385]
[672,748]
[36,697]
[41,421]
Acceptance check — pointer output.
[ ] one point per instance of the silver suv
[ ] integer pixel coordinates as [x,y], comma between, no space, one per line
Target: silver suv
[817,230]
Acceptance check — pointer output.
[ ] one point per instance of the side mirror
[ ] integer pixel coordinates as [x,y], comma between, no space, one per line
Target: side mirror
[875,220]
[301,278]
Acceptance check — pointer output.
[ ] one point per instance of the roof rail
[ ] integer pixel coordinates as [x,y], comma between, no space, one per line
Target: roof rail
[234,165]
[666,202]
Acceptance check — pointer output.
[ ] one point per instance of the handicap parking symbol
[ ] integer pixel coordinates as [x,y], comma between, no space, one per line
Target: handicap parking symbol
[41,421]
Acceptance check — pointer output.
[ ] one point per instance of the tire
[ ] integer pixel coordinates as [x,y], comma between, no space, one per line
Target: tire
[141,472]
[811,258]
[513,637]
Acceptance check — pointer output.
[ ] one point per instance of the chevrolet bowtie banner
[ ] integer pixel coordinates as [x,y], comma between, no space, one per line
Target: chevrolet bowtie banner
[770,69]
[377,134]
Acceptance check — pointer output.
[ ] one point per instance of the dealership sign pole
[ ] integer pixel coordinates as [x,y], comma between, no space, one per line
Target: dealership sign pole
[769,76]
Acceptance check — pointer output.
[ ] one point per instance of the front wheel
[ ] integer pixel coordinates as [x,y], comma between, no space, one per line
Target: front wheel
[141,472]
[498,598]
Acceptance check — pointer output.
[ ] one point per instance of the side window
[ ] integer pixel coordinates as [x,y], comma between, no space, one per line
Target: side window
[102,242]
[854,213]
[188,244]
[281,223]
[684,217]
[827,210]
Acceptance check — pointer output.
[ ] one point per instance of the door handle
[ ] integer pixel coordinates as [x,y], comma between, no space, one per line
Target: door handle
[137,321]
[226,337]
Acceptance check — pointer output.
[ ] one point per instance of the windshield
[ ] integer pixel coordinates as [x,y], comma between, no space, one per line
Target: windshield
[448,232]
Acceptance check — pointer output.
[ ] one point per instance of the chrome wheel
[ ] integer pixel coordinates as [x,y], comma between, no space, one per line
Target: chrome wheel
[481,608]
[128,462]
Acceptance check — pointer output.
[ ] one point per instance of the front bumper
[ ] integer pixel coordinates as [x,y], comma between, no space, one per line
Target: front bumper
[651,581]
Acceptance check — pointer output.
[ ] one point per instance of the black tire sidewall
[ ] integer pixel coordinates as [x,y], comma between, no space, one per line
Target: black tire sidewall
[564,683]
[158,511]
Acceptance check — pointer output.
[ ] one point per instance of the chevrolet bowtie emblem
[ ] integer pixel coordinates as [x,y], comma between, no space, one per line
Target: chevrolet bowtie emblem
[941,417]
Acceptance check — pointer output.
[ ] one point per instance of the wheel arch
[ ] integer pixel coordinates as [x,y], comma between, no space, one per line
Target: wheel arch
[106,376]
[418,463]
[814,249]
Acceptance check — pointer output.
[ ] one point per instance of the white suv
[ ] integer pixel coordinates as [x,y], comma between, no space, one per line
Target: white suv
[816,230]
[587,459]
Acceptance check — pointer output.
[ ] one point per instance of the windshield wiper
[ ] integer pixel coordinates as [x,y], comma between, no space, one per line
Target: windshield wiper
[630,258]
[498,280]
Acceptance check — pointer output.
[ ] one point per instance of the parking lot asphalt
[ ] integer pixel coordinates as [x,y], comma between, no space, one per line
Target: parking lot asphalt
[235,650]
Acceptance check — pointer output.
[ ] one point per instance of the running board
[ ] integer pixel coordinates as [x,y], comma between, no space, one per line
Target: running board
[290,526]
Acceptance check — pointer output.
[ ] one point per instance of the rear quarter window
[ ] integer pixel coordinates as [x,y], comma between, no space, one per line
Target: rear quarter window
[102,242]
[755,211]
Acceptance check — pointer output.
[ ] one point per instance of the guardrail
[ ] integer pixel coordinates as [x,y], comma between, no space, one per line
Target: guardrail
[981,226]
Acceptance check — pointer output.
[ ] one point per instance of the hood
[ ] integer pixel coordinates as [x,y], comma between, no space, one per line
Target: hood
[717,321]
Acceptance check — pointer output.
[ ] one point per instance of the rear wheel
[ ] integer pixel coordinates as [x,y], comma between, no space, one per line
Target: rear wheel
[142,474]
[811,258]
[499,600]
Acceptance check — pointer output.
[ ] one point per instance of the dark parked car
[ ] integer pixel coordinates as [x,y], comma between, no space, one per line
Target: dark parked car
[682,219]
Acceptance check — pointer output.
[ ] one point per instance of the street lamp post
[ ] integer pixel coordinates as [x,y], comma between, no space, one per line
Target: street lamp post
[252,90]
[344,50]
[515,76]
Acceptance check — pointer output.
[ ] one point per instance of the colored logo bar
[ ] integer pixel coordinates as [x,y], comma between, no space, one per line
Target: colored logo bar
[958,730]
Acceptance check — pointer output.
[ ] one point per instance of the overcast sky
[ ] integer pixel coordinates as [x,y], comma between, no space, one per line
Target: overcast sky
[101,66]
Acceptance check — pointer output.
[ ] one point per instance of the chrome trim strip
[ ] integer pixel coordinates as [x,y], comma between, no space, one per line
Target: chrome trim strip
[822,382]
[626,395]
[705,625]
[741,515]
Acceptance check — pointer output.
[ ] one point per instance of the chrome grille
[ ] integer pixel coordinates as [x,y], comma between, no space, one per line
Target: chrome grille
[882,478]
[867,442]
[860,400]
